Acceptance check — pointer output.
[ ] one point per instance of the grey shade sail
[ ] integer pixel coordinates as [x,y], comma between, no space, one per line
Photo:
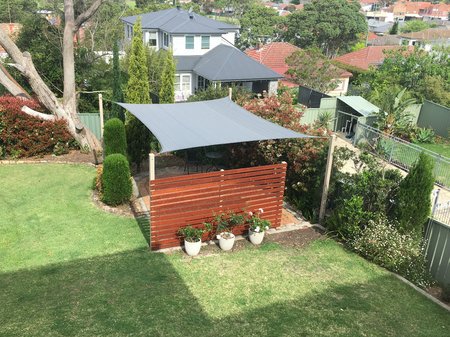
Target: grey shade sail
[188,125]
[179,21]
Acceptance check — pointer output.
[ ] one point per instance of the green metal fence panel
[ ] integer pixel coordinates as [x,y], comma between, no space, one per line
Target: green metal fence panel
[310,116]
[400,153]
[414,111]
[438,251]
[92,122]
[435,116]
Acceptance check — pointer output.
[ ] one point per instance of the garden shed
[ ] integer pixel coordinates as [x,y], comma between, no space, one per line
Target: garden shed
[193,199]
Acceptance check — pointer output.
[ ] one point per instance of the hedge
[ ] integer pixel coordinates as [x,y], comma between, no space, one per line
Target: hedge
[116,180]
[22,135]
[114,137]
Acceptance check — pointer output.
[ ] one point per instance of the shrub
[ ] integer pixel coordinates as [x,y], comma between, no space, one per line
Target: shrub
[355,199]
[423,135]
[401,253]
[306,158]
[413,204]
[114,137]
[349,218]
[22,135]
[116,180]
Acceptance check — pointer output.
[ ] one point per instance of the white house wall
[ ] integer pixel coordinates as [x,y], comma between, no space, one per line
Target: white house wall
[179,44]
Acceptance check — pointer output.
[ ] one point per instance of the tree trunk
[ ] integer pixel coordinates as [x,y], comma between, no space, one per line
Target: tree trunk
[24,64]
[70,103]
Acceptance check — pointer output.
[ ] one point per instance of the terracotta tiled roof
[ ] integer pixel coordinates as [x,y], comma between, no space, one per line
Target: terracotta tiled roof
[438,10]
[411,7]
[372,36]
[12,29]
[366,57]
[429,34]
[273,56]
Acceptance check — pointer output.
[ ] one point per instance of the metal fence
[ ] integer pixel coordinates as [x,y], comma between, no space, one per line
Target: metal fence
[437,238]
[92,122]
[400,153]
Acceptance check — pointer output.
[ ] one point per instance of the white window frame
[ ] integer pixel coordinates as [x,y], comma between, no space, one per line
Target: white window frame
[186,42]
[209,41]
[179,85]
[147,39]
[166,39]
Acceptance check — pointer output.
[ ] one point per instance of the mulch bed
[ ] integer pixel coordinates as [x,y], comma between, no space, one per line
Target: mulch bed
[294,239]
[74,156]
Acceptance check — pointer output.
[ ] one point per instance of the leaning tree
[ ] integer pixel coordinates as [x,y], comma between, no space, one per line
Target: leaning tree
[22,61]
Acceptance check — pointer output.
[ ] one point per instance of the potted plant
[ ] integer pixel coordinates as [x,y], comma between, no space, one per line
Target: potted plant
[224,230]
[257,227]
[192,238]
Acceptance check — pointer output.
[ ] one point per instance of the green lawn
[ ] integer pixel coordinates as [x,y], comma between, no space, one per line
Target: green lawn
[405,155]
[442,149]
[122,289]
[47,217]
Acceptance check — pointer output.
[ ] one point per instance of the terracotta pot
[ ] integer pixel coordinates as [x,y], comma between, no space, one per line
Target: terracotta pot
[192,248]
[226,241]
[255,237]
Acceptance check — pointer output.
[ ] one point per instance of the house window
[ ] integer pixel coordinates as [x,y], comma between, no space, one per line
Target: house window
[202,83]
[205,42]
[151,38]
[130,31]
[189,42]
[166,39]
[183,82]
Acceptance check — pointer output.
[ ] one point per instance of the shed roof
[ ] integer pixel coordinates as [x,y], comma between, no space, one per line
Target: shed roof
[188,125]
[359,104]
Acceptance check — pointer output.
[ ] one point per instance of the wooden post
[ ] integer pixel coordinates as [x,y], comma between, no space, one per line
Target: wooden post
[230,93]
[326,181]
[151,166]
[100,109]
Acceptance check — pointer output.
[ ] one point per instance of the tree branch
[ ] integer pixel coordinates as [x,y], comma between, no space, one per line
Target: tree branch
[86,15]
[37,114]
[11,84]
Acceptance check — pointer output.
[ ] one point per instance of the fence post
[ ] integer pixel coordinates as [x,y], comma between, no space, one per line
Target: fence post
[100,109]
[326,182]
[392,150]
[430,219]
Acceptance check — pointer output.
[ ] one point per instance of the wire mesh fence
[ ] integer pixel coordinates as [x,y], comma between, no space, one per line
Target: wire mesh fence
[400,153]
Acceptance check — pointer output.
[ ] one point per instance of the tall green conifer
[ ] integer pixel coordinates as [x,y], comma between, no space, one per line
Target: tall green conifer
[137,92]
[167,90]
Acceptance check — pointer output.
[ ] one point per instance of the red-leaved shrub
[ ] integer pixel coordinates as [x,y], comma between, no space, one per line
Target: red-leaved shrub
[22,135]
[305,157]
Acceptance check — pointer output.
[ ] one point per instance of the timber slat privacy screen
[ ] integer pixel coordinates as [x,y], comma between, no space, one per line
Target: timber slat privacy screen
[193,199]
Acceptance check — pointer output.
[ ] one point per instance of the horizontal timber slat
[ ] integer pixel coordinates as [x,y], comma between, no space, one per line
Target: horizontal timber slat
[176,202]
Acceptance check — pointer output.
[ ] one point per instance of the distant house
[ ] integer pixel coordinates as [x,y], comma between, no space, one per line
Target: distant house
[437,12]
[273,56]
[204,52]
[427,39]
[386,40]
[363,59]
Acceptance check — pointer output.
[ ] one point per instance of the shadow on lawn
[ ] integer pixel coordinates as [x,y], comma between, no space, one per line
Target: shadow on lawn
[143,221]
[140,293]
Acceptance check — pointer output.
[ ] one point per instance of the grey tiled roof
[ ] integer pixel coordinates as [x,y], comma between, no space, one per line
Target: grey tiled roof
[226,63]
[186,63]
[179,21]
